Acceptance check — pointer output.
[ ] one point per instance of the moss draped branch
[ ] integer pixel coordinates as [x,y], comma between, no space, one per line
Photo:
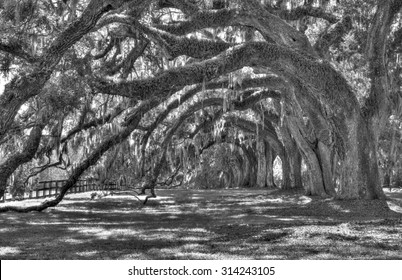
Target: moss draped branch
[307,11]
[91,159]
[21,88]
[18,51]
[14,161]
[238,105]
[254,15]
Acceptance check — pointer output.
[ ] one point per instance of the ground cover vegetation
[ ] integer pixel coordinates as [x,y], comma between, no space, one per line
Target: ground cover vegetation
[201,94]
[204,224]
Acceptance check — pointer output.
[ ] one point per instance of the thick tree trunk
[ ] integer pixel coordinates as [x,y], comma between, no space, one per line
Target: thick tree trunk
[286,171]
[316,185]
[262,165]
[270,166]
[360,176]
[296,169]
[324,157]
[249,167]
[359,167]
[241,168]
[293,156]
[253,162]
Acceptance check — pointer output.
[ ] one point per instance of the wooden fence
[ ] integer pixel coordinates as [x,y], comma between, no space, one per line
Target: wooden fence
[52,188]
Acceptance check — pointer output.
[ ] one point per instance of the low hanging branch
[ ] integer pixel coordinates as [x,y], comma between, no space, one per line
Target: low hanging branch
[11,164]
[238,105]
[21,88]
[272,82]
[117,111]
[18,51]
[85,164]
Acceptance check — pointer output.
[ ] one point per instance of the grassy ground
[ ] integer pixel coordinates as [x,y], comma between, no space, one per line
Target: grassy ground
[194,224]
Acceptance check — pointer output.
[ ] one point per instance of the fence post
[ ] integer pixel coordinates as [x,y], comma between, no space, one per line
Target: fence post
[37,190]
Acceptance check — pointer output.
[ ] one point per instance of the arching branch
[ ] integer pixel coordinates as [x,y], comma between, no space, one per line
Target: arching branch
[17,51]
[253,15]
[92,159]
[14,161]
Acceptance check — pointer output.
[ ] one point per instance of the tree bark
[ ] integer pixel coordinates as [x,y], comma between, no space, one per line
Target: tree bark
[316,185]
[286,171]
[270,166]
[262,164]
[86,163]
[21,88]
[11,164]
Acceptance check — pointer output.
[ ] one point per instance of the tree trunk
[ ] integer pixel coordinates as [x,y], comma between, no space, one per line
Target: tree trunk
[359,166]
[324,157]
[286,171]
[262,164]
[316,186]
[270,166]
[253,167]
[296,166]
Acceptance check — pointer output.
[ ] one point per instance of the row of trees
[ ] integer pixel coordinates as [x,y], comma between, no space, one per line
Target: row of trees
[145,89]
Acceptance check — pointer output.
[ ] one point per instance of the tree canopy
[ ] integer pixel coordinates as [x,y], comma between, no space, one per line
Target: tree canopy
[205,93]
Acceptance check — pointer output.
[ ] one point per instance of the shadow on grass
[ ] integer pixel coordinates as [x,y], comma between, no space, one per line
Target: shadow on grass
[194,224]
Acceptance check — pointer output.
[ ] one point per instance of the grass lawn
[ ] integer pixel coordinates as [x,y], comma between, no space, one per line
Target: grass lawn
[206,224]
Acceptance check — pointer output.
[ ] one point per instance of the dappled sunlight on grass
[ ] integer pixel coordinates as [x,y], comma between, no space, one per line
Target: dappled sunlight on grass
[7,230]
[6,251]
[201,224]
[73,241]
[88,254]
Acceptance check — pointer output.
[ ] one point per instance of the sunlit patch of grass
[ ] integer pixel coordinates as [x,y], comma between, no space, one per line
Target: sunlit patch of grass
[7,250]
[88,254]
[194,247]
[7,230]
[73,241]
[202,224]
[195,238]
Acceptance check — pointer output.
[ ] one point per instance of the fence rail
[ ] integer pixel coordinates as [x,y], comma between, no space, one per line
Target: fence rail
[52,188]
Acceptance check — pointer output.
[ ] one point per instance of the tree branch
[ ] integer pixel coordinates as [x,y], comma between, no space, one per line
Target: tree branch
[307,11]
[16,50]
[85,164]
[332,36]
[20,89]
[11,164]
[255,15]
